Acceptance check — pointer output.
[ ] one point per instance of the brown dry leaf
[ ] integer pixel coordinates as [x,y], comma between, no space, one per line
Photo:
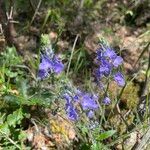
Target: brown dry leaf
[131,141]
[53,36]
[59,133]
[38,140]
[14,92]
[118,147]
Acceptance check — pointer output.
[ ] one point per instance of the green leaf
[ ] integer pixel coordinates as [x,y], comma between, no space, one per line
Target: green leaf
[34,101]
[22,136]
[45,39]
[12,99]
[10,57]
[11,74]
[24,88]
[106,135]
[15,118]
[4,129]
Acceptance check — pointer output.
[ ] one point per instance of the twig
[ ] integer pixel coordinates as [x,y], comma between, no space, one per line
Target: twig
[81,4]
[9,139]
[6,19]
[142,53]
[74,44]
[145,92]
[1,30]
[144,142]
[31,4]
[36,127]
[37,8]
[146,83]
[119,112]
[127,113]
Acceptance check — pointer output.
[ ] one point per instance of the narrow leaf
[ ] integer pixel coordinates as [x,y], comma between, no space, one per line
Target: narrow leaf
[106,135]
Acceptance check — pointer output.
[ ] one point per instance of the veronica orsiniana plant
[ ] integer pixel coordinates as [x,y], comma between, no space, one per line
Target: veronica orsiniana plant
[49,63]
[77,101]
[108,63]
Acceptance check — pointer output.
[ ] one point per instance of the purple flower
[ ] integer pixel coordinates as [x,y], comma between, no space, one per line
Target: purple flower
[119,78]
[57,65]
[42,74]
[106,101]
[98,73]
[100,55]
[44,67]
[77,96]
[72,113]
[105,67]
[90,114]
[46,63]
[88,101]
[68,99]
[110,53]
[49,65]
[118,61]
[70,110]
[108,62]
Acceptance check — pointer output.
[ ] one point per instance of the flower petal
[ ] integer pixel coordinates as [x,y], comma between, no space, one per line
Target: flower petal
[110,53]
[42,74]
[119,78]
[90,114]
[106,101]
[89,102]
[57,66]
[118,61]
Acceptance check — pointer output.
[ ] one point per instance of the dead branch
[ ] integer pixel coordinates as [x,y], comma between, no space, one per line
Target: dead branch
[7,22]
[144,142]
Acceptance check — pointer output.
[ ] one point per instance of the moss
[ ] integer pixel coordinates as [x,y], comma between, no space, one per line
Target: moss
[130,96]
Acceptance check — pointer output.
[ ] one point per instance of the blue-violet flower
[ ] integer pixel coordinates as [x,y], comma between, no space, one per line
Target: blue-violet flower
[119,78]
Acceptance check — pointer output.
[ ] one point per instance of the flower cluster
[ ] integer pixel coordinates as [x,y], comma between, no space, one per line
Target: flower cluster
[108,63]
[76,101]
[49,63]
[86,101]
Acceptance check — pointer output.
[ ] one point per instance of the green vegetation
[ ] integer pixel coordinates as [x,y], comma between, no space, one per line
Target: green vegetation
[48,65]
